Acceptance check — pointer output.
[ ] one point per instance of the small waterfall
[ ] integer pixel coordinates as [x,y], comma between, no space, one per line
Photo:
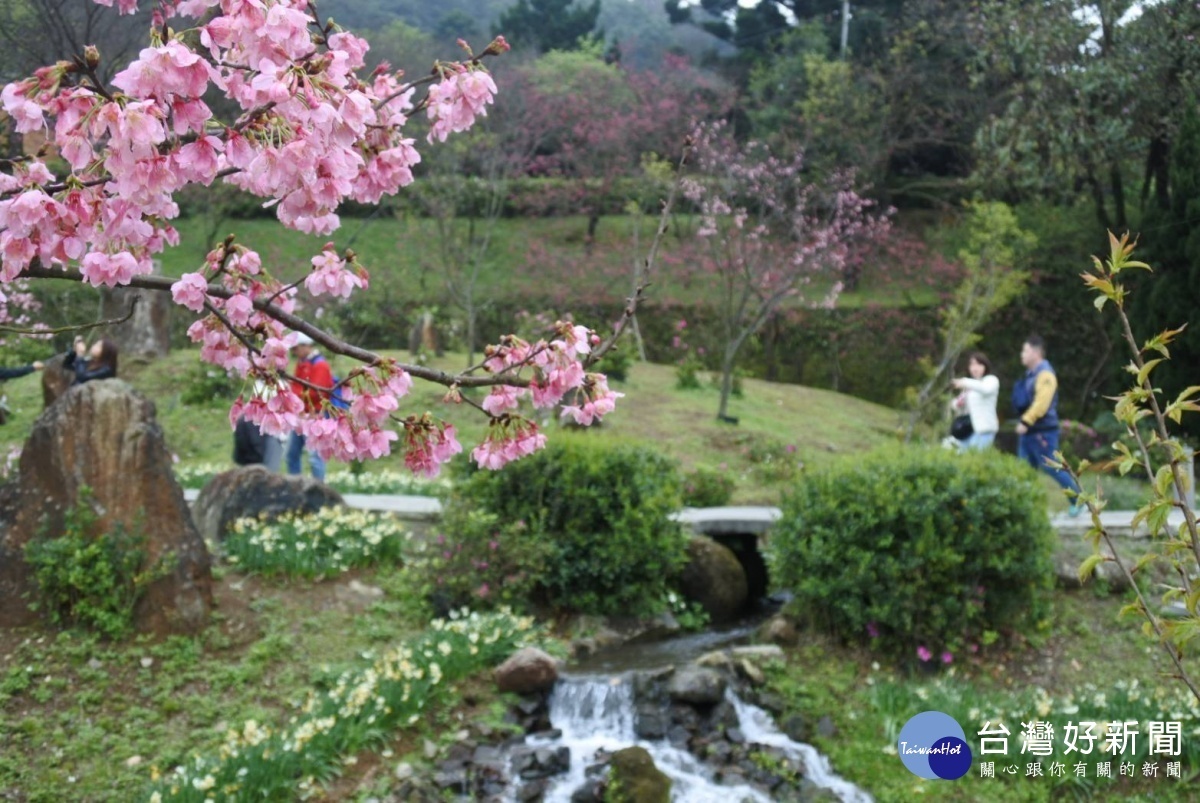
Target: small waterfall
[759,728]
[597,713]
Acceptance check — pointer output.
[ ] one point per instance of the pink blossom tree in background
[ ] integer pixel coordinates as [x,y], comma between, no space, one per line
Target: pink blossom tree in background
[769,235]
[309,130]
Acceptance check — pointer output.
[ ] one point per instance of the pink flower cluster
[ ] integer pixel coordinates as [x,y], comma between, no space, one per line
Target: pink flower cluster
[307,133]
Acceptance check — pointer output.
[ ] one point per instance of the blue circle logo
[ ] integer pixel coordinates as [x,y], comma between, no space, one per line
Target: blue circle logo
[933,745]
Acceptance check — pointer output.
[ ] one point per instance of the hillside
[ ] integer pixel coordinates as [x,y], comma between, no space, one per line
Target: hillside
[779,425]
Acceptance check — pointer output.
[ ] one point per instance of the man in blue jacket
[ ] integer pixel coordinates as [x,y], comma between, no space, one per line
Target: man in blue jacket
[1035,398]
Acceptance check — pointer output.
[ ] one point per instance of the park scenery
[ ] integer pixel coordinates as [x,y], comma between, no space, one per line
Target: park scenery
[599,401]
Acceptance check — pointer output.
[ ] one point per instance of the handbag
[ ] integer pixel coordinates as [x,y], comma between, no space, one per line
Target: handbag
[960,428]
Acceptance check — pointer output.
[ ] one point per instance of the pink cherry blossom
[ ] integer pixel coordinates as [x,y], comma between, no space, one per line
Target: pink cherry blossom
[190,291]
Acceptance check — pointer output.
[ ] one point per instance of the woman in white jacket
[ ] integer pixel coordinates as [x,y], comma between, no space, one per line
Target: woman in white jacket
[978,399]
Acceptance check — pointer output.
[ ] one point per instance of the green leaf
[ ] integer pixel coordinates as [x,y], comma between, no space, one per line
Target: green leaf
[1144,373]
[1143,561]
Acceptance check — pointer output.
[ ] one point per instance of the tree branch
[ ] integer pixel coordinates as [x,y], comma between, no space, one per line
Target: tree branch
[298,324]
[82,327]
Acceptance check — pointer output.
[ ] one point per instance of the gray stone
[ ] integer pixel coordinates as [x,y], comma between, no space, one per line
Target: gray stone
[735,735]
[697,686]
[779,630]
[751,672]
[795,728]
[651,723]
[532,763]
[527,671]
[826,728]
[252,492]
[758,652]
[717,659]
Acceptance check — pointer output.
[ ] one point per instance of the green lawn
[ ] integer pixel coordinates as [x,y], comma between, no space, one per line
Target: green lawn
[781,426]
[404,253]
[1085,663]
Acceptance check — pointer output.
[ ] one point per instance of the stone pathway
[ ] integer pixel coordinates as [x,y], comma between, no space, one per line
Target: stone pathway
[1116,522]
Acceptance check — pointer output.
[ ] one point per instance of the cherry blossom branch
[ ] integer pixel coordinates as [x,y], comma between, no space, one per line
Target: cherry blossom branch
[298,324]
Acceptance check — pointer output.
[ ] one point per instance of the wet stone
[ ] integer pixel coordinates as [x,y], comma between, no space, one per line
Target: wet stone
[678,736]
[532,791]
[795,728]
[541,762]
[735,735]
[487,755]
[825,727]
[651,723]
[592,791]
[452,780]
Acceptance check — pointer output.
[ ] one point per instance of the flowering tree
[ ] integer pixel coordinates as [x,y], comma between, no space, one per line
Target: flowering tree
[306,133]
[768,237]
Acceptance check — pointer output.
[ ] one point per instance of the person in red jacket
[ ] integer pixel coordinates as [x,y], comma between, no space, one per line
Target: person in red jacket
[312,373]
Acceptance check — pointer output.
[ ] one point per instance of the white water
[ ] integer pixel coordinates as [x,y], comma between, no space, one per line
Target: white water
[598,714]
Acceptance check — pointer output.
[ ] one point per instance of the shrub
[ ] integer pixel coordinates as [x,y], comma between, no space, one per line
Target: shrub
[477,561]
[90,578]
[687,372]
[602,511]
[707,487]
[204,385]
[321,544]
[922,552]
[615,364]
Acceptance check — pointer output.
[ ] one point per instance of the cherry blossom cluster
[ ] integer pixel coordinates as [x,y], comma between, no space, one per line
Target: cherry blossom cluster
[772,229]
[558,376]
[310,131]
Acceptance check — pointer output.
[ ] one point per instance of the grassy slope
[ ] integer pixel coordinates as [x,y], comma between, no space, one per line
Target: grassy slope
[818,423]
[403,253]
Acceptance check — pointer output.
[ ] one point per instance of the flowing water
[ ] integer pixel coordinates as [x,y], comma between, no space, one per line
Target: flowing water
[596,712]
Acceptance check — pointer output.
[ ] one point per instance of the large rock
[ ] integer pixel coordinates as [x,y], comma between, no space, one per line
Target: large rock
[253,491]
[147,331]
[103,435]
[56,380]
[714,578]
[527,671]
[697,685]
[635,779]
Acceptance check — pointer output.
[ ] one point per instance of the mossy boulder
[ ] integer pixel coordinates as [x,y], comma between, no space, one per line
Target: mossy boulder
[715,579]
[635,779]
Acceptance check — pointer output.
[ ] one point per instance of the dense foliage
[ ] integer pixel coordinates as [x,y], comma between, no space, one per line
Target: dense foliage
[919,552]
[602,512]
[89,577]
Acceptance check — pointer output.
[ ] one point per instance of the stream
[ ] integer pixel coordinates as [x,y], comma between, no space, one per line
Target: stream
[593,710]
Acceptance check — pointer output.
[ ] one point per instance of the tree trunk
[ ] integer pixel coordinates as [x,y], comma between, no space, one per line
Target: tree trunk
[770,337]
[471,315]
[726,385]
[589,242]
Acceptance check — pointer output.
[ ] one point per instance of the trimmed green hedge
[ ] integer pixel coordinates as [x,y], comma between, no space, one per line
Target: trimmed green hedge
[601,512]
[920,552]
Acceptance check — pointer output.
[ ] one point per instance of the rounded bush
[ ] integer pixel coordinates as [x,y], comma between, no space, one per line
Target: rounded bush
[920,552]
[707,487]
[602,513]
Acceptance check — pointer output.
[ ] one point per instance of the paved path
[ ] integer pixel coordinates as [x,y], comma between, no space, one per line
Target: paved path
[731,520]
[412,508]
[1117,522]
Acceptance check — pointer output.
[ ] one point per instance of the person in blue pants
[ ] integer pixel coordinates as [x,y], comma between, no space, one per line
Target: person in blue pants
[1035,399]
